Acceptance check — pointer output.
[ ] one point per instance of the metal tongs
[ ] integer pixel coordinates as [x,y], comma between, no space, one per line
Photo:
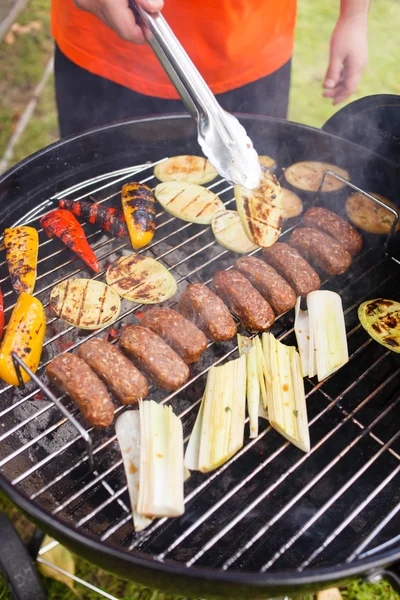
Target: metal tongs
[221,137]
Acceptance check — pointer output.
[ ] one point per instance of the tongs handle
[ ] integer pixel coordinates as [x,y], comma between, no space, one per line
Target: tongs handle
[190,85]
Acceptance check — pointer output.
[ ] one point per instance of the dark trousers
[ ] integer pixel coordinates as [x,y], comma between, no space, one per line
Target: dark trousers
[85,100]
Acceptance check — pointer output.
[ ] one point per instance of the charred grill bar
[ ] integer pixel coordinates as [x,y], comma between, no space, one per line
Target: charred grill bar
[271,510]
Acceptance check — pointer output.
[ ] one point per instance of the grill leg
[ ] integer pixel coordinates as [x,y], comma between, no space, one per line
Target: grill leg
[17,565]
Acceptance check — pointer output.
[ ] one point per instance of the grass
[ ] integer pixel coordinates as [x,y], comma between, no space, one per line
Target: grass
[21,66]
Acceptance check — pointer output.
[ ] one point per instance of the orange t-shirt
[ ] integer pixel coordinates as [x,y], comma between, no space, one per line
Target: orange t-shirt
[231,42]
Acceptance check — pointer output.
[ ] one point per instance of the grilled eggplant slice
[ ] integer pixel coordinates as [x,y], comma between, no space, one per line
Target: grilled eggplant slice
[85,303]
[381,319]
[139,208]
[228,230]
[191,169]
[22,244]
[261,210]
[307,176]
[267,161]
[368,215]
[292,204]
[141,279]
[188,201]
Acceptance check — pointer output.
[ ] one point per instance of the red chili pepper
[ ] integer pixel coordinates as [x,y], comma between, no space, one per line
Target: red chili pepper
[1,314]
[63,225]
[110,219]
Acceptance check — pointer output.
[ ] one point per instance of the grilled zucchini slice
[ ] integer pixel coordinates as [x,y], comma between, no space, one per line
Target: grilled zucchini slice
[261,210]
[85,303]
[292,204]
[229,232]
[190,169]
[141,279]
[307,176]
[188,201]
[368,215]
[381,319]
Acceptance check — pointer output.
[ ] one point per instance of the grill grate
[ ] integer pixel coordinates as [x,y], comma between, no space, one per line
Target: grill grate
[270,507]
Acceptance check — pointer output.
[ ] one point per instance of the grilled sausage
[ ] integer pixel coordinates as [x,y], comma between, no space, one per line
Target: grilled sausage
[122,377]
[201,306]
[73,376]
[153,356]
[243,299]
[292,266]
[335,226]
[321,249]
[268,282]
[182,335]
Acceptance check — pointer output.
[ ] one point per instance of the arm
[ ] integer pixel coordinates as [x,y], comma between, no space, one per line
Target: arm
[119,17]
[348,50]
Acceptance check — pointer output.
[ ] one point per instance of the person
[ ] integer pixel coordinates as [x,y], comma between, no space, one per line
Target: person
[105,71]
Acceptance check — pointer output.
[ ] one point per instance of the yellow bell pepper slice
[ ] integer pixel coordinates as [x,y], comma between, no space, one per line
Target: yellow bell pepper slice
[22,244]
[24,336]
[139,208]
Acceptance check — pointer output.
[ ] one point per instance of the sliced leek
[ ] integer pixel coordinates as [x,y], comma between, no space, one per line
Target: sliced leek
[161,458]
[219,429]
[127,428]
[321,334]
[287,410]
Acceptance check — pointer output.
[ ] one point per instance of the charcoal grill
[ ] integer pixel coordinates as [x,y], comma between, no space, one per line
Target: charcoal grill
[272,520]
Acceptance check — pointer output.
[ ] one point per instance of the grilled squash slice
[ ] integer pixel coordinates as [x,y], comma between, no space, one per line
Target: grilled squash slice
[229,232]
[307,176]
[381,319]
[85,303]
[188,201]
[141,279]
[261,210]
[368,215]
[191,169]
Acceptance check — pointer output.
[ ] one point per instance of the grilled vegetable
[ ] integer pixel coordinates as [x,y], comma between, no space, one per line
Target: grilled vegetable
[24,336]
[188,201]
[161,462]
[247,348]
[191,169]
[368,215]
[62,224]
[260,210]
[229,232]
[1,314]
[139,209]
[22,245]
[381,319]
[127,428]
[292,205]
[219,428]
[267,161]
[321,334]
[287,410]
[307,176]
[109,219]
[141,279]
[85,303]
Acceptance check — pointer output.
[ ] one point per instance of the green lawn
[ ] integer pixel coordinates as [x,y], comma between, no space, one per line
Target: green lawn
[21,64]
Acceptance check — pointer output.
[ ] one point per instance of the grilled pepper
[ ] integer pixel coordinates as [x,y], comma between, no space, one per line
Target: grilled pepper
[24,336]
[110,219]
[1,314]
[22,245]
[63,225]
[139,208]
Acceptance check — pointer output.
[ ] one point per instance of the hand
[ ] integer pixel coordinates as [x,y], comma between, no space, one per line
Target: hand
[119,17]
[348,57]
